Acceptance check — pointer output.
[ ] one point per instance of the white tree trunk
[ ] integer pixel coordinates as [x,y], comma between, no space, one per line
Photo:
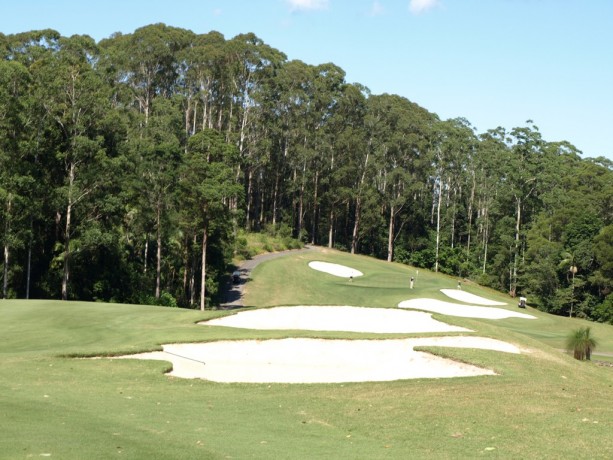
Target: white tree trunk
[29,270]
[358,209]
[470,213]
[146,253]
[192,279]
[67,229]
[6,271]
[249,199]
[203,272]
[315,208]
[158,267]
[301,202]
[438,222]
[274,201]
[516,251]
[486,232]
[7,230]
[356,225]
[331,229]
[390,236]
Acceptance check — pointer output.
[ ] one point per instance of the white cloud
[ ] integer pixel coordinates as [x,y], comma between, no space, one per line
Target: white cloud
[421,6]
[376,9]
[307,5]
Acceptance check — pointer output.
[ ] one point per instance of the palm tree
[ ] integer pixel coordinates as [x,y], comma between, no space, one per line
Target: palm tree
[581,344]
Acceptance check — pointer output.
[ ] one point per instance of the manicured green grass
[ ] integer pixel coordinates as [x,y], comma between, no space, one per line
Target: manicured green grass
[544,404]
[385,285]
[290,280]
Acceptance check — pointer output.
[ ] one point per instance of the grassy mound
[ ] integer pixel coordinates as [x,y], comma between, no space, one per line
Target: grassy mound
[249,245]
[544,404]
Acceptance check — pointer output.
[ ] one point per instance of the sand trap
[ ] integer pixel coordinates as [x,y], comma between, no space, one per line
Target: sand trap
[325,361]
[321,361]
[465,311]
[349,319]
[335,269]
[467,297]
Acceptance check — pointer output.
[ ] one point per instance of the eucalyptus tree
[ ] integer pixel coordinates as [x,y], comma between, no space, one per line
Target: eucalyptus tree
[514,158]
[203,75]
[147,62]
[363,190]
[453,145]
[399,131]
[286,111]
[28,159]
[576,223]
[207,189]
[543,253]
[250,62]
[340,169]
[561,213]
[460,196]
[75,100]
[30,48]
[324,95]
[155,156]
[297,108]
[491,155]
[522,176]
[470,176]
[15,178]
[365,171]
[541,279]
[602,277]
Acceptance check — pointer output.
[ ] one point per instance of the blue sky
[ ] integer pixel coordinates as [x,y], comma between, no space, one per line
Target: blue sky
[493,62]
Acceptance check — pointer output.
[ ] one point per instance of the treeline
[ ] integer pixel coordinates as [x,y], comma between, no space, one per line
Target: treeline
[129,166]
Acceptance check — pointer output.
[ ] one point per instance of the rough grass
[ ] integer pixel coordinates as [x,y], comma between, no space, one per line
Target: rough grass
[543,403]
[249,245]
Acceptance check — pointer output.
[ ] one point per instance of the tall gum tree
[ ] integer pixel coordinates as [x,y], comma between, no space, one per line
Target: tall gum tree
[399,143]
[14,172]
[490,155]
[201,74]
[75,100]
[33,50]
[346,126]
[150,65]
[523,173]
[208,186]
[250,63]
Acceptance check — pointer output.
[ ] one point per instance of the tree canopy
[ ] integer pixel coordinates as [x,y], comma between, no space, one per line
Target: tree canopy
[127,167]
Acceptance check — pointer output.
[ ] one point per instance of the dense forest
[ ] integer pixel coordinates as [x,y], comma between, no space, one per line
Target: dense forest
[130,168]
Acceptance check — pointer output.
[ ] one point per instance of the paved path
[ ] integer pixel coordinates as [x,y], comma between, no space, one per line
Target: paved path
[233,292]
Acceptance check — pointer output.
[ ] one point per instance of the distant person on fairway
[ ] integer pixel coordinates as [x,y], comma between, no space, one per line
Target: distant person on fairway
[412,280]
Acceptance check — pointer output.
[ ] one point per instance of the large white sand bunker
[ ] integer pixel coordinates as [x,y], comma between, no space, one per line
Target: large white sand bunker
[321,361]
[335,269]
[463,296]
[336,318]
[465,311]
